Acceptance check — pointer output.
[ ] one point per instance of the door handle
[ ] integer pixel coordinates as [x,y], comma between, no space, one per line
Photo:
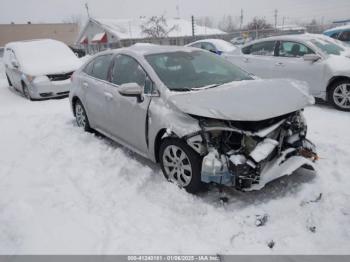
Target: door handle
[85,85]
[279,64]
[246,60]
[108,96]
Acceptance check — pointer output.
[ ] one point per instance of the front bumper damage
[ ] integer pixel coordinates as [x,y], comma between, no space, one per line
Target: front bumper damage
[256,158]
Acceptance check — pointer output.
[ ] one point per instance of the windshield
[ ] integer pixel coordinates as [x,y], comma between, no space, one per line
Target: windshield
[181,71]
[328,47]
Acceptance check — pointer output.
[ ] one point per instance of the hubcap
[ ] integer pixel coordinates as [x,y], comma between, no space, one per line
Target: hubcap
[341,96]
[80,115]
[177,166]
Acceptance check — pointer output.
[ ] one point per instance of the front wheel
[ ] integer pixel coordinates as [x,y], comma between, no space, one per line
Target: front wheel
[81,117]
[339,95]
[181,165]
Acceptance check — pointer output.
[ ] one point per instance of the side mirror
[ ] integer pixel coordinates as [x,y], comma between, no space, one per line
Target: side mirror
[131,89]
[311,57]
[14,63]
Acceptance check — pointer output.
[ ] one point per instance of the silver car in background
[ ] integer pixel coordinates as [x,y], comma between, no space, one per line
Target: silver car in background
[322,62]
[202,118]
[40,68]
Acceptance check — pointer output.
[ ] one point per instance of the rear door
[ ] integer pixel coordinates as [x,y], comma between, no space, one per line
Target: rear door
[257,59]
[290,64]
[95,84]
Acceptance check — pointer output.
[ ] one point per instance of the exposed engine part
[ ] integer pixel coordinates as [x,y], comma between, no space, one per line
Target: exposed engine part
[238,156]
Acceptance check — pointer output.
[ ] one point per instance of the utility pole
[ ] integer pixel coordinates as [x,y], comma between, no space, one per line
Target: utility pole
[87,9]
[193,27]
[241,20]
[276,16]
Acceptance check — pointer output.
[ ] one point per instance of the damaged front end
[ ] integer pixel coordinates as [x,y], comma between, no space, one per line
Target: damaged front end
[248,155]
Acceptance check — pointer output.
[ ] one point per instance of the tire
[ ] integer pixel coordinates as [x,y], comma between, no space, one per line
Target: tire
[8,80]
[186,173]
[81,117]
[25,91]
[339,95]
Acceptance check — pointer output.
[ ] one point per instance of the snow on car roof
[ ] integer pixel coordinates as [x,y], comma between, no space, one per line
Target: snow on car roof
[219,43]
[148,49]
[44,57]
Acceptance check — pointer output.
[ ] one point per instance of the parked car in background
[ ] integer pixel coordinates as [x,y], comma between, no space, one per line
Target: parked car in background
[341,33]
[202,118]
[240,40]
[217,46]
[40,68]
[316,59]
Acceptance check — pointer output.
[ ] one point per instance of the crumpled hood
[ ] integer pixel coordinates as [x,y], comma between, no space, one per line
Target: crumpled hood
[251,100]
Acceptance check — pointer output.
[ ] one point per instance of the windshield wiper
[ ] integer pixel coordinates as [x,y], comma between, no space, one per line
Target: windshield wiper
[207,87]
[181,89]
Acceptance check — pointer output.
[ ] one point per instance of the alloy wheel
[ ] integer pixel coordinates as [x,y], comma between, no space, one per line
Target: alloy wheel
[177,165]
[80,115]
[341,96]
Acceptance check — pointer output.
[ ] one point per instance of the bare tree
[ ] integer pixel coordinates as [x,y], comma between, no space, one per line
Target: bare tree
[227,24]
[157,27]
[258,24]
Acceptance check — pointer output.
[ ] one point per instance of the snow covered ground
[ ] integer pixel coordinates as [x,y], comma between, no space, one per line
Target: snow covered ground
[63,191]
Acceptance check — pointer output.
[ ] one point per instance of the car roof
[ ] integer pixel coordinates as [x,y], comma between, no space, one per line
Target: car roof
[144,49]
[210,40]
[296,37]
[337,29]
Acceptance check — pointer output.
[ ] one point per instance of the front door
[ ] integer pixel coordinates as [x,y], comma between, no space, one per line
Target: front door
[128,114]
[289,63]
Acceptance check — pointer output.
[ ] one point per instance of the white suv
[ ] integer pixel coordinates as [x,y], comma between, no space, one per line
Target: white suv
[320,61]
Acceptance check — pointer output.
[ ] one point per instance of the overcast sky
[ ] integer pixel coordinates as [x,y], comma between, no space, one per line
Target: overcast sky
[21,11]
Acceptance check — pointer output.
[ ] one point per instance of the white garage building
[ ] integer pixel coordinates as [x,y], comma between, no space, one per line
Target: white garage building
[100,34]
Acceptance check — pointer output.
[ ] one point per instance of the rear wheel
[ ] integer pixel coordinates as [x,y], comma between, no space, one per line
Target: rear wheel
[181,165]
[339,95]
[26,91]
[81,117]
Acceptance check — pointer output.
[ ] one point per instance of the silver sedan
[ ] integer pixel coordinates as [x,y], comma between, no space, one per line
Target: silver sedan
[202,118]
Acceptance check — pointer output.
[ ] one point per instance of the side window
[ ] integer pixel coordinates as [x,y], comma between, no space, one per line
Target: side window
[100,67]
[293,49]
[88,68]
[246,50]
[335,35]
[208,46]
[197,45]
[127,70]
[263,48]
[345,36]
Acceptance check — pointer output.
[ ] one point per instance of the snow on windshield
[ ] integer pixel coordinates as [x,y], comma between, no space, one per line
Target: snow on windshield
[43,57]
